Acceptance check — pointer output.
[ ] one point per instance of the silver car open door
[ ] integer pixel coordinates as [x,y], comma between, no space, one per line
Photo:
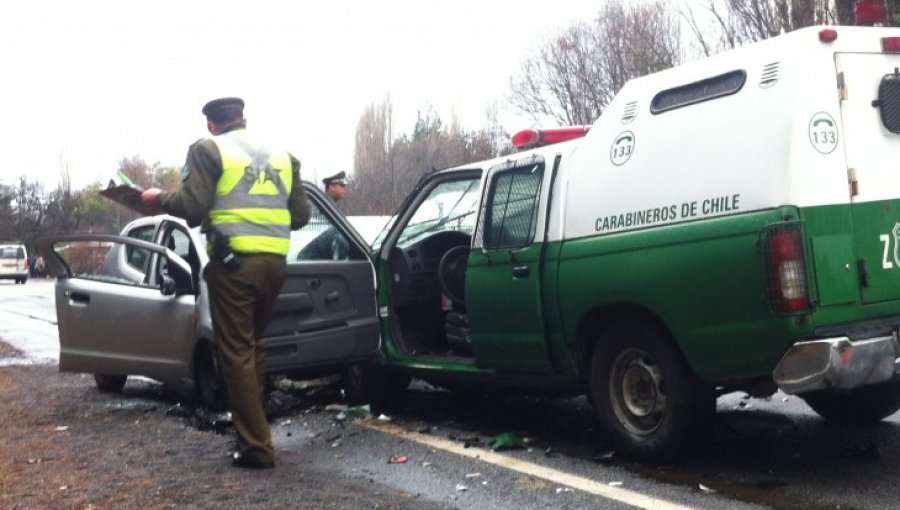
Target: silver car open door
[326,315]
[112,319]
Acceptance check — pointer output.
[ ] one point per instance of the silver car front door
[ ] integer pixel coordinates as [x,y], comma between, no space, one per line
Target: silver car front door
[326,315]
[112,322]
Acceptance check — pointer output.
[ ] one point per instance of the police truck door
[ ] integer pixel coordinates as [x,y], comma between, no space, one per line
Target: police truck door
[505,273]
[870,111]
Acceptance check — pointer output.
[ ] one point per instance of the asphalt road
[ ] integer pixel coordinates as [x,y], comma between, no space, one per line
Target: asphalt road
[763,453]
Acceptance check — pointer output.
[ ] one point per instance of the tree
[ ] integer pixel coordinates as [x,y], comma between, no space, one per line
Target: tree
[144,175]
[373,180]
[98,213]
[137,170]
[747,21]
[7,214]
[573,76]
[739,22]
[385,169]
[167,178]
[30,208]
[63,207]
[843,12]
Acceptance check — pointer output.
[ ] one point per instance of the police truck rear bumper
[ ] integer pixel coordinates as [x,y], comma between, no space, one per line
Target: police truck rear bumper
[838,363]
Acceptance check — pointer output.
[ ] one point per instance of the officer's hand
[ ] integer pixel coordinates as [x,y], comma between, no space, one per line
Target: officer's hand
[151,196]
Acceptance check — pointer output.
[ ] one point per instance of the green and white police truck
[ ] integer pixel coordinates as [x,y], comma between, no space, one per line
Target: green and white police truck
[729,224]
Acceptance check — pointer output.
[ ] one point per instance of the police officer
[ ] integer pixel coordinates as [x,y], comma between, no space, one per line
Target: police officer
[248,197]
[336,186]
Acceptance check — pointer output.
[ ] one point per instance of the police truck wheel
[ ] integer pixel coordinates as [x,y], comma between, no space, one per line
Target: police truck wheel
[645,396]
[868,404]
[110,383]
[209,383]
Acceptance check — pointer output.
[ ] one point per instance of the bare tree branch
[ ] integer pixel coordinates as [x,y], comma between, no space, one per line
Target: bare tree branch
[574,75]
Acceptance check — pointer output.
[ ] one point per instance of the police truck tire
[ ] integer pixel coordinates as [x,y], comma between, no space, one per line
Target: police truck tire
[649,402]
[110,383]
[868,404]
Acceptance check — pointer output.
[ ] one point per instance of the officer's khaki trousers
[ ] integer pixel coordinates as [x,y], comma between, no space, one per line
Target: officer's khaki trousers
[242,303]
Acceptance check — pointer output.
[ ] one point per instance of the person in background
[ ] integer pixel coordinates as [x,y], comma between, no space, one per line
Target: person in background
[248,197]
[336,186]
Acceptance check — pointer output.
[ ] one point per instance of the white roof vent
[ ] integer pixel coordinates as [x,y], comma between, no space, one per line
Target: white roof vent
[771,73]
[630,112]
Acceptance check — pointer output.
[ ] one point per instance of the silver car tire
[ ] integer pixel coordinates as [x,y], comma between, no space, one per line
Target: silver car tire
[209,383]
[108,383]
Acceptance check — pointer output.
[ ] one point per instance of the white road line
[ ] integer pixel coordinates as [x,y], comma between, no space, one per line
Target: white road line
[619,494]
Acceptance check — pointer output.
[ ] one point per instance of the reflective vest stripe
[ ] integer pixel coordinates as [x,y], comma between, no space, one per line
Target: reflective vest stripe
[253,229]
[260,216]
[227,202]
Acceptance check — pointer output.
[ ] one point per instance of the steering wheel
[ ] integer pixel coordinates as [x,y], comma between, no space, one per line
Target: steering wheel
[452,273]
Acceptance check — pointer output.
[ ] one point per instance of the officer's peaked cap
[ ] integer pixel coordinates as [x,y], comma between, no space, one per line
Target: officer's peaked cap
[224,109]
[338,178]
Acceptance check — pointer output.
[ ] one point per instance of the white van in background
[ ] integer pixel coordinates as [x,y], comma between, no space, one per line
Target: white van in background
[13,262]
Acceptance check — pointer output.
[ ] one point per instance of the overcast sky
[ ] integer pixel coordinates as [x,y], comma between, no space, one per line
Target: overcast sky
[86,83]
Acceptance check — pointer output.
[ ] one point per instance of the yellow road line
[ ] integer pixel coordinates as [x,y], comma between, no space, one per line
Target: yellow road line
[581,483]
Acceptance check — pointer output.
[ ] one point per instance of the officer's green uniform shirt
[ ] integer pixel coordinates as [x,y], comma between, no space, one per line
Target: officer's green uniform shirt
[202,171]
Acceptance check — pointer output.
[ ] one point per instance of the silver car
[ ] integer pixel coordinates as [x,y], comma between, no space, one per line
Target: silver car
[137,304]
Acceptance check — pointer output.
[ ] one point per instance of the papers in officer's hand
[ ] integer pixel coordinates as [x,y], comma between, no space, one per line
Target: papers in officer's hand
[121,190]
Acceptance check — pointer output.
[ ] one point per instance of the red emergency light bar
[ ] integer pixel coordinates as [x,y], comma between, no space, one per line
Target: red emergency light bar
[870,12]
[529,138]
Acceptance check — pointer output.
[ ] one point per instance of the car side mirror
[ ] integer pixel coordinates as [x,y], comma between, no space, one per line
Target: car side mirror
[168,286]
[177,277]
[176,282]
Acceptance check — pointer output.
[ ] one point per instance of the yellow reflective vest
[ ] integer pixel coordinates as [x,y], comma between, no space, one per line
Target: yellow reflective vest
[251,203]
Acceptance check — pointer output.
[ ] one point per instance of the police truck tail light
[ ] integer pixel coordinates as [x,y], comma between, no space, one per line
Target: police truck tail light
[786,267]
[530,138]
[890,44]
